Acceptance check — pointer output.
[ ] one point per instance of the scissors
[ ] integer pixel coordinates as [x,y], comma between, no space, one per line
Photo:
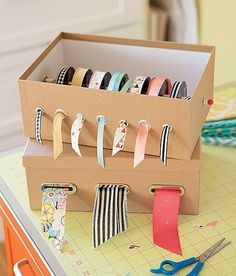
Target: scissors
[176,266]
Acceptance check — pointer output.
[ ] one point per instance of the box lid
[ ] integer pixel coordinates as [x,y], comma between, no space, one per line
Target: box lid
[41,156]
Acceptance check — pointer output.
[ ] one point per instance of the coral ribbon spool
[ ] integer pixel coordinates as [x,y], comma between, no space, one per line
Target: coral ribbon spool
[165,219]
[159,87]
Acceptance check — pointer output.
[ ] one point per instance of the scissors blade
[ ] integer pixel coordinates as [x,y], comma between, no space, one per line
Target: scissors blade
[220,248]
[210,251]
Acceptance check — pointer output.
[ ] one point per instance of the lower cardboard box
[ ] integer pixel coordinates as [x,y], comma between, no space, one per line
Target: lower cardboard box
[85,173]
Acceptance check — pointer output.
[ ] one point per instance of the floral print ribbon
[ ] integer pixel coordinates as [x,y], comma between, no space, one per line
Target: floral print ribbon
[75,132]
[53,214]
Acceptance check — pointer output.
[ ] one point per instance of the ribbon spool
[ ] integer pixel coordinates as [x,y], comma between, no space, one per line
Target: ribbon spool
[159,87]
[100,80]
[179,90]
[65,75]
[140,85]
[54,197]
[165,217]
[82,77]
[117,81]
[141,140]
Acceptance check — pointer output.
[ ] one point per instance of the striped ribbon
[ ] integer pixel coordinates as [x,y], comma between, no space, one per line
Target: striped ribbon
[57,135]
[109,212]
[38,121]
[75,132]
[179,90]
[101,121]
[166,129]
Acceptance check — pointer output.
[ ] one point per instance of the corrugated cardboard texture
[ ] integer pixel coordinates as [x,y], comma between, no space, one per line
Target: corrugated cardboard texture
[85,173]
[186,117]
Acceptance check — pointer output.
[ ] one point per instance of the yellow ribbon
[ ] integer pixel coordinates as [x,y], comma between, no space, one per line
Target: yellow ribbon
[79,76]
[57,135]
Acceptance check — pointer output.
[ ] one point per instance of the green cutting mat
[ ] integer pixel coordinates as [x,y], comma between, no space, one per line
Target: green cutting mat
[217,203]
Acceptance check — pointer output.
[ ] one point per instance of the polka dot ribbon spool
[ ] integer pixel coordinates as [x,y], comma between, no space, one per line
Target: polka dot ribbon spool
[166,129]
[101,121]
[60,115]
[119,138]
[140,85]
[99,80]
[38,122]
[165,219]
[141,140]
[109,212]
[65,75]
[53,214]
[159,87]
[75,133]
[179,90]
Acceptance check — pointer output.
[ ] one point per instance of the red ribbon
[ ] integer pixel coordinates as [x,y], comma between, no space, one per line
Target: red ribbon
[165,219]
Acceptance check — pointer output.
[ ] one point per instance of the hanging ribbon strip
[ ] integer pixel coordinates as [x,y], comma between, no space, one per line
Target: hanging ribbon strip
[65,75]
[165,219]
[166,129]
[82,77]
[159,87]
[119,138]
[100,80]
[140,85]
[109,212]
[179,90]
[38,120]
[53,215]
[57,135]
[101,121]
[141,140]
[188,98]
[75,132]
[118,80]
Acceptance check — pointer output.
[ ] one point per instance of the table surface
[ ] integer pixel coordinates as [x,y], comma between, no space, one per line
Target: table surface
[217,203]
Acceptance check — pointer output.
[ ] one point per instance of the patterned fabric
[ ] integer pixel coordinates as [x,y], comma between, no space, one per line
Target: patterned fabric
[224,105]
[166,129]
[75,132]
[222,128]
[218,141]
[53,215]
[38,119]
[109,212]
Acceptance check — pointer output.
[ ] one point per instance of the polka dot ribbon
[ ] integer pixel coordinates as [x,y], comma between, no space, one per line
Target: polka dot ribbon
[53,214]
[165,219]
[57,134]
[109,212]
[38,120]
[119,138]
[166,129]
[75,132]
[141,140]
[101,121]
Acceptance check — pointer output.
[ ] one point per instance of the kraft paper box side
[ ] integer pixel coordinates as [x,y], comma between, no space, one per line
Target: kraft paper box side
[86,174]
[186,117]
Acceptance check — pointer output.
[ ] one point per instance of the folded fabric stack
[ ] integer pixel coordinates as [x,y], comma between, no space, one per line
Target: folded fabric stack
[220,126]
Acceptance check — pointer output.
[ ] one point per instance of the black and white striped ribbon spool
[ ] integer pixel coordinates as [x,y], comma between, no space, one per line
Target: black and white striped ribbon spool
[179,90]
[38,121]
[109,212]
[166,129]
[65,75]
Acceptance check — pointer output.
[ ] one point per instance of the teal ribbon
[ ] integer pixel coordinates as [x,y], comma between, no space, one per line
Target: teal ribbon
[101,121]
[127,86]
[219,141]
[116,79]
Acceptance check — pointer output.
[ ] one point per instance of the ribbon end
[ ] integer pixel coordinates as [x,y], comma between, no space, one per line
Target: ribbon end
[137,162]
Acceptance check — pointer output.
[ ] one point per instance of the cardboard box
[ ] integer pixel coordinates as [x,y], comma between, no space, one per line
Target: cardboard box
[85,173]
[192,63]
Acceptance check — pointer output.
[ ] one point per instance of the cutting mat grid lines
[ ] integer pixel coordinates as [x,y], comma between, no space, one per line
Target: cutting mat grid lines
[217,203]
